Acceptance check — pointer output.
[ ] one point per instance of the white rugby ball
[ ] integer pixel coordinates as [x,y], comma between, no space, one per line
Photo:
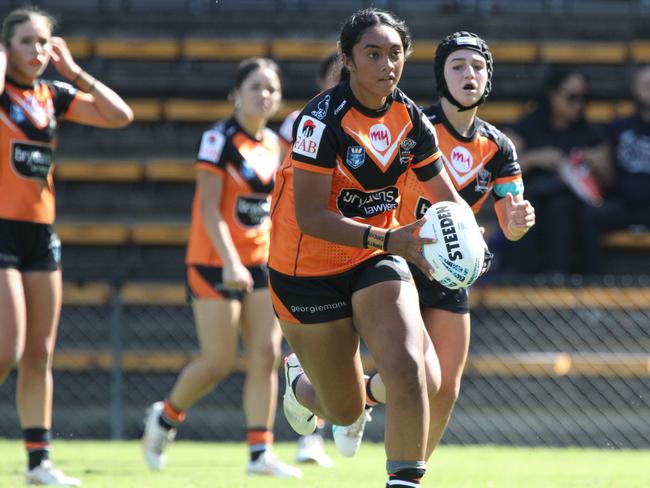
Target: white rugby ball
[457,256]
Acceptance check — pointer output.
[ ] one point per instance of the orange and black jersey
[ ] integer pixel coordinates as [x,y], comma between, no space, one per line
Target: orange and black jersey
[366,152]
[28,132]
[247,166]
[479,165]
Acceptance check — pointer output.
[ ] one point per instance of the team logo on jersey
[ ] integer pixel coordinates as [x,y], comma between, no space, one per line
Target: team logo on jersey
[482,181]
[308,137]
[356,203]
[16,114]
[380,137]
[407,144]
[247,170]
[461,159]
[355,157]
[211,147]
[405,147]
[321,109]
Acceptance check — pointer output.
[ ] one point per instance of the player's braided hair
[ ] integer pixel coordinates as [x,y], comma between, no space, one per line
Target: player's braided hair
[454,42]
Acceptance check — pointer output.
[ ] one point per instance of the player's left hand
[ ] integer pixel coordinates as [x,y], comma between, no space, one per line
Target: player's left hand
[62,58]
[520,216]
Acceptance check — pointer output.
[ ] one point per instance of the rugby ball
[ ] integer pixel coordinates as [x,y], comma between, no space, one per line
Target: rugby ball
[457,256]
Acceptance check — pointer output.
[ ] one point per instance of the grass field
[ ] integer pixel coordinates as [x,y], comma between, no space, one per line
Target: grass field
[103,464]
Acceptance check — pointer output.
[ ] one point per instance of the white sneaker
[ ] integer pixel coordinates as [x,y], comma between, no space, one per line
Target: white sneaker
[348,438]
[302,420]
[46,474]
[310,450]
[155,439]
[268,464]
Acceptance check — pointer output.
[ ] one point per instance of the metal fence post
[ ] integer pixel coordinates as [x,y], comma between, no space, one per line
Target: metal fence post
[117,372]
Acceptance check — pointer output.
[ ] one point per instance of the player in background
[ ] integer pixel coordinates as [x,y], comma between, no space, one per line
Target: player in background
[227,273]
[337,264]
[30,274]
[481,161]
[311,447]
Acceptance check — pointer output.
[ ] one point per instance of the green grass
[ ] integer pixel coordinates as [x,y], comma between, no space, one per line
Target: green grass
[103,464]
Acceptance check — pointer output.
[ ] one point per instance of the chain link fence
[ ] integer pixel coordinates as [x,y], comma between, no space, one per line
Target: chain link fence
[552,363]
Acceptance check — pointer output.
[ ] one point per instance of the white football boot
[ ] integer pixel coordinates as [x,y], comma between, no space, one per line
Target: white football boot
[155,438]
[302,420]
[268,464]
[311,450]
[348,438]
[46,474]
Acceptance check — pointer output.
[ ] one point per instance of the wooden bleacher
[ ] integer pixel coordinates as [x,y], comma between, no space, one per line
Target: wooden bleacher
[228,49]
[523,364]
[508,365]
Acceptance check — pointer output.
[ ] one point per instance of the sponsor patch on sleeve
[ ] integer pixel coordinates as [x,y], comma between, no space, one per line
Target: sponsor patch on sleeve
[211,147]
[308,137]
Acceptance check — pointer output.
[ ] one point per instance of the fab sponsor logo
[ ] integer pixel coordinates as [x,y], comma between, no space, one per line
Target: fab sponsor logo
[308,137]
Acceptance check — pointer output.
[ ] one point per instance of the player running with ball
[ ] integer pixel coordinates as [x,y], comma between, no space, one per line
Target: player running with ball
[480,161]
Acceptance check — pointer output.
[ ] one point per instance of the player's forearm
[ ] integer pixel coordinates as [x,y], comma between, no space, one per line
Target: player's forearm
[335,228]
[219,234]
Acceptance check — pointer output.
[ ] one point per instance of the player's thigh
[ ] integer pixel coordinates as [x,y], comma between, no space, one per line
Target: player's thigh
[259,326]
[387,316]
[217,326]
[12,316]
[450,334]
[43,295]
[329,354]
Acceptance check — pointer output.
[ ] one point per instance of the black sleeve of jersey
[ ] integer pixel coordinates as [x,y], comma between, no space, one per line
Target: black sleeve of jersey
[429,171]
[213,148]
[426,146]
[507,154]
[62,96]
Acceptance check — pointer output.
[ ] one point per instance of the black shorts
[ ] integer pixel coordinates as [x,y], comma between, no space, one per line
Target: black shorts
[28,246]
[317,299]
[433,295]
[207,282]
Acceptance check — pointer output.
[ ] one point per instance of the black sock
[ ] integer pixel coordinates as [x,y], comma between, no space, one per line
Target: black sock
[37,443]
[408,475]
[165,424]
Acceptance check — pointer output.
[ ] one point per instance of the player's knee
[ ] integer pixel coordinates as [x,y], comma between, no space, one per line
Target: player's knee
[263,358]
[37,358]
[403,373]
[345,414]
[9,357]
[217,370]
[448,394]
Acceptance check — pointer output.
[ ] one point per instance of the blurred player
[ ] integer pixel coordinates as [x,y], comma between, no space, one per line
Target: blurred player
[310,447]
[227,273]
[30,274]
[481,161]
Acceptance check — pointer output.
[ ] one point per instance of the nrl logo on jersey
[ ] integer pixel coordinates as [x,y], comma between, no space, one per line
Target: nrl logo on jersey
[355,157]
[321,108]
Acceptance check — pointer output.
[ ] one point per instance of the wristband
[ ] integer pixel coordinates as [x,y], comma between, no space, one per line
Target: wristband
[386,236]
[365,236]
[376,240]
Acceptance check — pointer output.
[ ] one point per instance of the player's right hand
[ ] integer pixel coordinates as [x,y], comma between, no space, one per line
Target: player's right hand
[406,242]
